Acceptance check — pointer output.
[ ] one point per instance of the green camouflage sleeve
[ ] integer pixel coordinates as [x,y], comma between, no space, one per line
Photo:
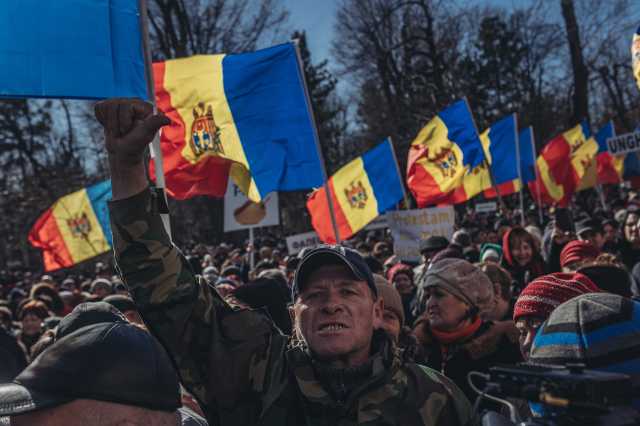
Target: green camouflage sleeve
[454,408]
[210,341]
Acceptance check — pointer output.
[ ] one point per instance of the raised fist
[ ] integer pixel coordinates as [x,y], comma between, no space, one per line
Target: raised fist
[129,125]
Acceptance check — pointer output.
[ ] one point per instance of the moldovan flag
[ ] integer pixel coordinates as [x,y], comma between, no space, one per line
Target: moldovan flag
[360,191]
[561,166]
[71,49]
[499,148]
[500,143]
[444,151]
[75,228]
[635,55]
[610,168]
[527,150]
[245,115]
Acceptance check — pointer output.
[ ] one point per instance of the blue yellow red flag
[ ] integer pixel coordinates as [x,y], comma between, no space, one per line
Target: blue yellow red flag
[444,151]
[75,228]
[242,115]
[501,151]
[635,55]
[71,49]
[360,191]
[561,165]
[610,168]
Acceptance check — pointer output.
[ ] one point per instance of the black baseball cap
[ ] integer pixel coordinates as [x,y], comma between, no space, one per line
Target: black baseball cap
[433,243]
[331,255]
[88,313]
[110,361]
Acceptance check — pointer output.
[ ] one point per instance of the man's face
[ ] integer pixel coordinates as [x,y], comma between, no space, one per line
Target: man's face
[391,324]
[336,315]
[596,238]
[527,328]
[610,233]
[631,230]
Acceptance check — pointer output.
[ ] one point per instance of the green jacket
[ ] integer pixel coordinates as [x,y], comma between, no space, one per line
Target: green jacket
[236,362]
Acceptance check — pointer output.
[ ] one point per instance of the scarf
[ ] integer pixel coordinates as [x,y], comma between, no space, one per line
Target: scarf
[458,335]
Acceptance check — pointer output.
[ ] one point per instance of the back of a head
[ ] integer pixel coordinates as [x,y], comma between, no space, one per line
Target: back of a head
[599,330]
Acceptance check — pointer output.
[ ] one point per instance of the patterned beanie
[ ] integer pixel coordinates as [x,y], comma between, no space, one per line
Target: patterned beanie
[599,330]
[578,251]
[465,281]
[546,293]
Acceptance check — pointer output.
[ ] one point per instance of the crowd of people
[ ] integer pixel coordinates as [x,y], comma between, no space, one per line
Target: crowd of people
[341,335]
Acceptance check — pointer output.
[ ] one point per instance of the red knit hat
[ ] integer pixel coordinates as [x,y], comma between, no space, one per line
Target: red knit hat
[397,269]
[576,251]
[545,293]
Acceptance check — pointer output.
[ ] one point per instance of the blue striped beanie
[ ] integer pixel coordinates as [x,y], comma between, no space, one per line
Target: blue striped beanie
[600,330]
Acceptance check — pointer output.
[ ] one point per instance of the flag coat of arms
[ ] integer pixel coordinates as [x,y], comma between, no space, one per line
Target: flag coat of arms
[444,151]
[499,148]
[360,191]
[241,115]
[562,164]
[75,228]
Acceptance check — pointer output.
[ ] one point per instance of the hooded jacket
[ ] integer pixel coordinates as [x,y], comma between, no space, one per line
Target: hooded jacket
[522,275]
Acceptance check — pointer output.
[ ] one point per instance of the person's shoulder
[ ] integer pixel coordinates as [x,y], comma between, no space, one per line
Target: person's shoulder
[435,391]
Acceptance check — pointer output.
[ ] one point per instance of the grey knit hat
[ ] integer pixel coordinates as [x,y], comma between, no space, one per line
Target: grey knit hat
[465,281]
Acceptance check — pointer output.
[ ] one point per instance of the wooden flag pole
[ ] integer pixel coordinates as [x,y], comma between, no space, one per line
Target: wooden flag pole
[519,166]
[156,152]
[395,160]
[537,172]
[316,138]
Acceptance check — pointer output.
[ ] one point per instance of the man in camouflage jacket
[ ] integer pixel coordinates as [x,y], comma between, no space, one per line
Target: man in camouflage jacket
[338,371]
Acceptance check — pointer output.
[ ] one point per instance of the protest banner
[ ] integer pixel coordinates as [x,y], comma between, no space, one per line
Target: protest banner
[295,243]
[624,144]
[241,213]
[409,227]
[488,207]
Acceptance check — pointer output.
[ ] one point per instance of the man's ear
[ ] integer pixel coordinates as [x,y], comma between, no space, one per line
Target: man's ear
[378,312]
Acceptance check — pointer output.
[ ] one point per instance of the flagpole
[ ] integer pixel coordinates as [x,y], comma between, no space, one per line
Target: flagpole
[395,160]
[316,138]
[537,173]
[517,139]
[485,162]
[156,152]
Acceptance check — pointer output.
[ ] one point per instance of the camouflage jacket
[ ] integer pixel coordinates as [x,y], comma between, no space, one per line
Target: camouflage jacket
[237,363]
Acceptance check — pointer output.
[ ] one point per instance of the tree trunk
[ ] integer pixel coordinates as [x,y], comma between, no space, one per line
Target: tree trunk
[580,72]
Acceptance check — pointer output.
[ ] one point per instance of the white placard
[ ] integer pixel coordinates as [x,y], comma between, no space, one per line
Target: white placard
[623,144]
[240,214]
[296,243]
[488,207]
[409,227]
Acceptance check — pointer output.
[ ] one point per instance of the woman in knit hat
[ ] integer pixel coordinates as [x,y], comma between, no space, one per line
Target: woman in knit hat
[453,331]
[521,257]
[401,277]
[541,297]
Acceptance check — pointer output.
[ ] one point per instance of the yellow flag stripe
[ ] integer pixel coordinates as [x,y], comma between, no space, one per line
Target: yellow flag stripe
[355,194]
[199,80]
